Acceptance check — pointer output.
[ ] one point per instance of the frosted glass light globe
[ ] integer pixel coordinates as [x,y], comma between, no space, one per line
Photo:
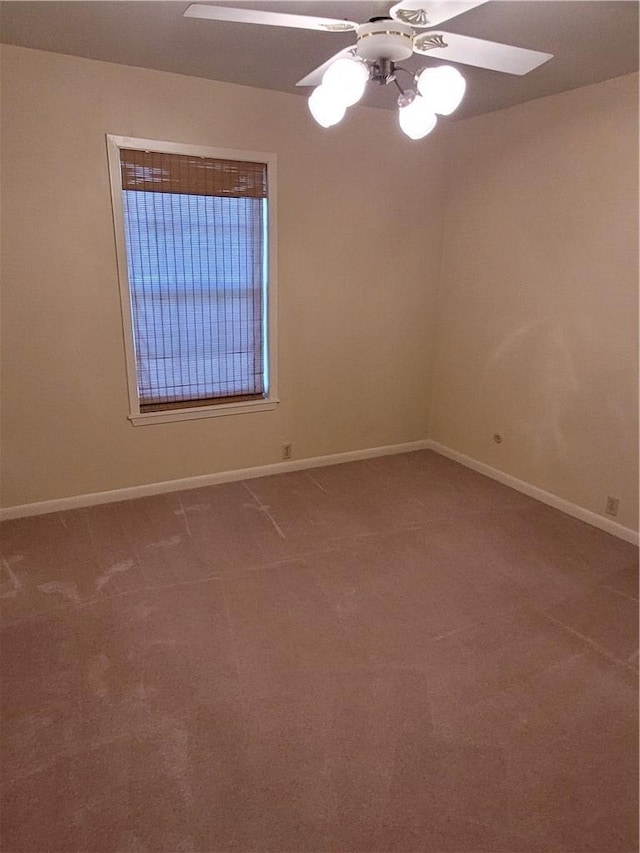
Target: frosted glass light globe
[326,106]
[442,88]
[348,78]
[416,119]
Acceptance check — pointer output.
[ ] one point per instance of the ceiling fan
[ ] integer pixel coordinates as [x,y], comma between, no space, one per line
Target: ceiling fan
[380,44]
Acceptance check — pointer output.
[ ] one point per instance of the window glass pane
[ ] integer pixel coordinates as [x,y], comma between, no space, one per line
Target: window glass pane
[196,267]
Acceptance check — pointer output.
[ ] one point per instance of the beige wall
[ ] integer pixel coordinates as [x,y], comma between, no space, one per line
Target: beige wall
[511,309]
[538,311]
[359,229]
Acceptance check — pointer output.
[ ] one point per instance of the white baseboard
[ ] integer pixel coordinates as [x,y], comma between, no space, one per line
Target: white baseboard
[75,501]
[556,502]
[130,492]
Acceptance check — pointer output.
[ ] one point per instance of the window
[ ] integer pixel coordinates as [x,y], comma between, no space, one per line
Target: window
[194,234]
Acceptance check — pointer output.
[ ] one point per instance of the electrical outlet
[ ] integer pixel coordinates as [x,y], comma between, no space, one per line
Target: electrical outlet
[611,506]
[287,451]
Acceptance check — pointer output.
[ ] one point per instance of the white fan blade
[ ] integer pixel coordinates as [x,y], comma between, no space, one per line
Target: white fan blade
[422,13]
[483,54]
[314,78]
[274,19]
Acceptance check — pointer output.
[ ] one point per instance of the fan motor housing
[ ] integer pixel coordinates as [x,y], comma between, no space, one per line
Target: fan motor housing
[384,39]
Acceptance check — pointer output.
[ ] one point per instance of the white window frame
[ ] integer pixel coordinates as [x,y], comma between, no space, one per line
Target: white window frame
[270,401]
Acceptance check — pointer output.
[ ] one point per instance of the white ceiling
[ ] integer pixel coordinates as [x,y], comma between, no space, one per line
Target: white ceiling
[591,42]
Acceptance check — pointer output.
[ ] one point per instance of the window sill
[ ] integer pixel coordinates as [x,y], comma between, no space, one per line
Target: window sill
[140,419]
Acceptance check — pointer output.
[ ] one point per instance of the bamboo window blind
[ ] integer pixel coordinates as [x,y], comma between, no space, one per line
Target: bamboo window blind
[195,233]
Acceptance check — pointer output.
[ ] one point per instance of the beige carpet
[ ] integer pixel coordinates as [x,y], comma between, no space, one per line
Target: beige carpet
[390,655]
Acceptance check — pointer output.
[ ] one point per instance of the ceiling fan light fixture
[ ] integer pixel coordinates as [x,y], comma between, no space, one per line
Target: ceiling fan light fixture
[442,88]
[415,117]
[326,106]
[348,78]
